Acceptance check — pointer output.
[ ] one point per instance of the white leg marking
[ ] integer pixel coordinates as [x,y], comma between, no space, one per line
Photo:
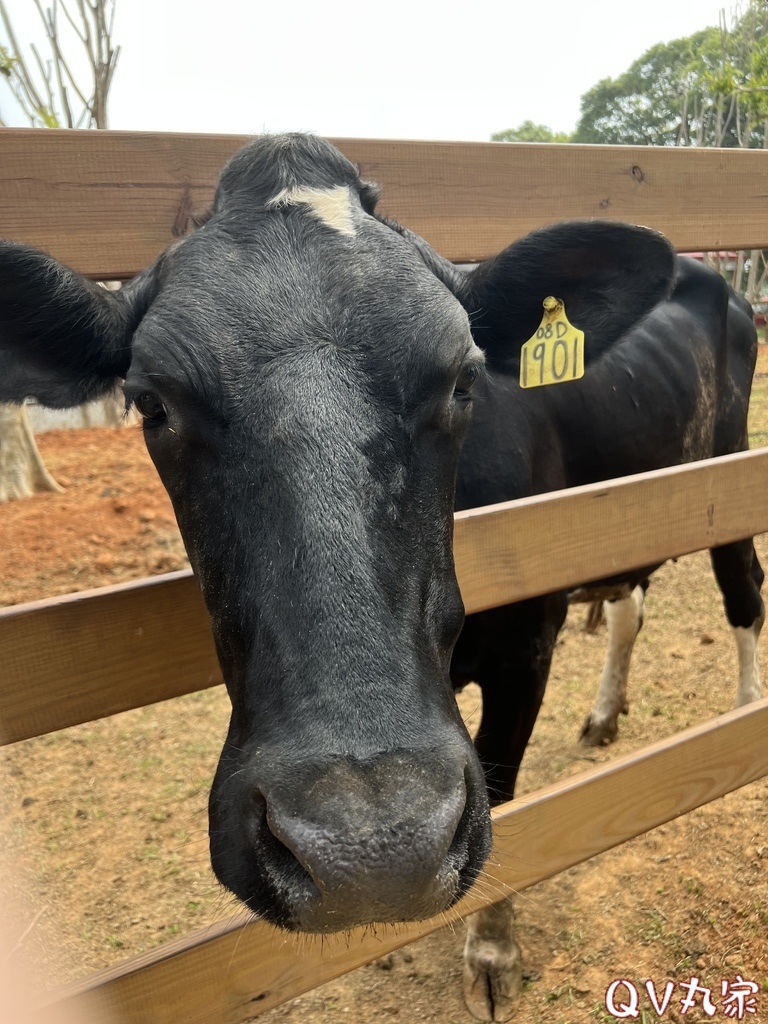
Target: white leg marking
[749,666]
[493,964]
[333,206]
[624,619]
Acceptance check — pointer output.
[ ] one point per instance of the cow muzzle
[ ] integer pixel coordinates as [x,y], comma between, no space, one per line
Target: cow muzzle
[338,844]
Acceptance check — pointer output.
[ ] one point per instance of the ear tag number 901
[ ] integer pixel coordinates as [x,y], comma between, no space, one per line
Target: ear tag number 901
[555,353]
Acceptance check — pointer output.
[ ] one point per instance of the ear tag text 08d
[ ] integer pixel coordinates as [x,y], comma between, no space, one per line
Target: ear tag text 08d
[555,353]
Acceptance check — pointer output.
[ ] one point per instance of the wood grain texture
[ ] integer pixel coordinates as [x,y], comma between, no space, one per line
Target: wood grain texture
[81,657]
[107,203]
[518,549]
[74,659]
[230,973]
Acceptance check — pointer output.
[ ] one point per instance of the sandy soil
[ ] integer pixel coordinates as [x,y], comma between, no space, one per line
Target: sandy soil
[105,823]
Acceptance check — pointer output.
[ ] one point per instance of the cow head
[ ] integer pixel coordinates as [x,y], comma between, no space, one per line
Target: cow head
[304,373]
[304,381]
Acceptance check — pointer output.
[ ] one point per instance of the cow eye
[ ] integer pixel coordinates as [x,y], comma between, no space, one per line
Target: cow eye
[150,407]
[465,381]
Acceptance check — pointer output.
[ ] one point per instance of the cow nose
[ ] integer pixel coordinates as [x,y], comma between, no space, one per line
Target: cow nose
[377,842]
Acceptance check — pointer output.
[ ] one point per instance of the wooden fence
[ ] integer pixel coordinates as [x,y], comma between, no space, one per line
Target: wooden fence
[107,203]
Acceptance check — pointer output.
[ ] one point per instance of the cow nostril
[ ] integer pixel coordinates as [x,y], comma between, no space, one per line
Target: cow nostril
[279,866]
[291,841]
[267,837]
[471,843]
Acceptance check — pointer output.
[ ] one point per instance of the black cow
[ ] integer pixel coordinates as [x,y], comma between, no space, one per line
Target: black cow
[305,371]
[673,389]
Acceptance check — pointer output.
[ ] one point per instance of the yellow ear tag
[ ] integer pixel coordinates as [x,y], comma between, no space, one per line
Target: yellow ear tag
[555,353]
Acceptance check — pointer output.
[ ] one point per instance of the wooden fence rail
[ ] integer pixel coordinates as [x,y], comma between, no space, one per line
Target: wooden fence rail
[107,203]
[73,659]
[232,972]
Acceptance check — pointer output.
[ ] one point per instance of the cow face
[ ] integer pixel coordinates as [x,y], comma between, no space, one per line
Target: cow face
[304,381]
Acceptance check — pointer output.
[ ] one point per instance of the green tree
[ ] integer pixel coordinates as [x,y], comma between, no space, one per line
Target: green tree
[736,79]
[654,103]
[708,89]
[528,131]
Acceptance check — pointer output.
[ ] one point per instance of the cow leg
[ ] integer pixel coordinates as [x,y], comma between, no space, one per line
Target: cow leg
[513,675]
[624,618]
[740,576]
[493,963]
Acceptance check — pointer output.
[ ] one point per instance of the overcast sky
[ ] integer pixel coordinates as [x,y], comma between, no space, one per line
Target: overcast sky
[401,69]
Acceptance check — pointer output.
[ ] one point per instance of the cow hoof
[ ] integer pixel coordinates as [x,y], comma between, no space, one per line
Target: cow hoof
[596,733]
[493,980]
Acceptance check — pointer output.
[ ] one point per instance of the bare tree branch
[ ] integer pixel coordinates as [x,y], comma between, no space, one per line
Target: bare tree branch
[51,27]
[74,25]
[92,24]
[763,275]
[53,35]
[88,41]
[734,106]
[45,74]
[32,99]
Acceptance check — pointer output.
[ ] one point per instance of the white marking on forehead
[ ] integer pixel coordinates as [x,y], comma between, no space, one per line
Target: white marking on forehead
[333,206]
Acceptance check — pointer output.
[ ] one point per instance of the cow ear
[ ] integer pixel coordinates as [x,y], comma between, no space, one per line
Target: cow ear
[608,275]
[64,340]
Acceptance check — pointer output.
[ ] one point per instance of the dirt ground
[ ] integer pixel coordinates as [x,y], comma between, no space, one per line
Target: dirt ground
[105,823]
